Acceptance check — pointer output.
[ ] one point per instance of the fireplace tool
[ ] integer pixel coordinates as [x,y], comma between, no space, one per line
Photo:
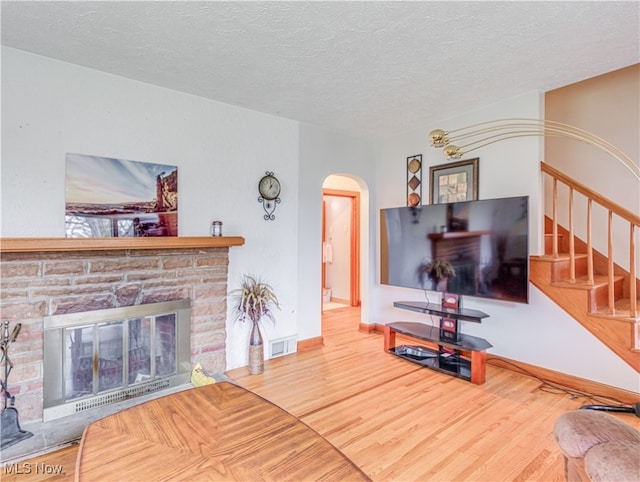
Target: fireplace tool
[10,427]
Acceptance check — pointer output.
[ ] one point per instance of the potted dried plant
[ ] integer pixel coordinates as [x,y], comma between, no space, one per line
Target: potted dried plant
[254,300]
[436,270]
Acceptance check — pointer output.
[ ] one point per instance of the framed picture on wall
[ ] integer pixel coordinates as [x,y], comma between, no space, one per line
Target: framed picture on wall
[454,181]
[108,197]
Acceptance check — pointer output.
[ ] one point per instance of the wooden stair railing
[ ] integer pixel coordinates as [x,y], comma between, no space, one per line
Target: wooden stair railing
[612,209]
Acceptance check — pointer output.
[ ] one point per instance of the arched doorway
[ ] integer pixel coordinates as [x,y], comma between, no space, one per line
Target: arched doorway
[340,242]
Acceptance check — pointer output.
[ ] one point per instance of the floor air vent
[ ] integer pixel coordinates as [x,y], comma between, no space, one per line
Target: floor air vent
[122,395]
[283,346]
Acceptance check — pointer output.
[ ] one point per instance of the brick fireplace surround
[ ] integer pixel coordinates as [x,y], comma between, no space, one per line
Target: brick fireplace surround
[50,276]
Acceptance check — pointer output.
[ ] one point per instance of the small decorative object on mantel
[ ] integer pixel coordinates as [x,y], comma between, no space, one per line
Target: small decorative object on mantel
[10,427]
[254,300]
[414,180]
[216,228]
[269,189]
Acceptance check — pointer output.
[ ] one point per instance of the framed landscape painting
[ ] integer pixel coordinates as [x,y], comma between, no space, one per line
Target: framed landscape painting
[107,197]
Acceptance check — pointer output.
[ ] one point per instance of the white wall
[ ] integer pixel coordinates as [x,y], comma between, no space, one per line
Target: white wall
[615,97]
[323,153]
[539,333]
[50,108]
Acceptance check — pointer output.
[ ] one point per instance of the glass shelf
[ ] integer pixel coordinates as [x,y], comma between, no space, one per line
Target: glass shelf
[439,310]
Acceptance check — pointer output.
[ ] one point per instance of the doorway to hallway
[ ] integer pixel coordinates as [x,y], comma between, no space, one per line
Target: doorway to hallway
[340,248]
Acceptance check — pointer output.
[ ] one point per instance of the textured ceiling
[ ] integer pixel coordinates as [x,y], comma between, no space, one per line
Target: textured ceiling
[365,68]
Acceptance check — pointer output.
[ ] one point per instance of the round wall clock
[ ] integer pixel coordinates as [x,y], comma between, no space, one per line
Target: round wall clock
[269,189]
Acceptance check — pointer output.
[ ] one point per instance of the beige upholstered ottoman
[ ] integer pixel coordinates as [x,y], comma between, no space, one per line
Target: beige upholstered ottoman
[598,447]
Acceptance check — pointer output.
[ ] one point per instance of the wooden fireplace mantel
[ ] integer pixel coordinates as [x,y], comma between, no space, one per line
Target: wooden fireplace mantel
[25,245]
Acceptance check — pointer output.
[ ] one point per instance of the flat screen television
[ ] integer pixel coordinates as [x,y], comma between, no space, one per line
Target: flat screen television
[475,248]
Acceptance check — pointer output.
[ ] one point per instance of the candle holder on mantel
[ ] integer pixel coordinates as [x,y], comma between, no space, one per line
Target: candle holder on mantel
[10,427]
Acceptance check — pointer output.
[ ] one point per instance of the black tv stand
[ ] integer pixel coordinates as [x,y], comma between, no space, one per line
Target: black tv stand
[447,350]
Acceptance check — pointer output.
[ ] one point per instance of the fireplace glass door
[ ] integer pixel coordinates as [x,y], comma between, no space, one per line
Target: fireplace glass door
[112,355]
[115,353]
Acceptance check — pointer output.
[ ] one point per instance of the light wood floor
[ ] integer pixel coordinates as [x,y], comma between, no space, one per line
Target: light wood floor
[398,421]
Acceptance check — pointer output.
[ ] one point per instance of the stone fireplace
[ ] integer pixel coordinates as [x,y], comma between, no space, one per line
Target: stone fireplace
[50,277]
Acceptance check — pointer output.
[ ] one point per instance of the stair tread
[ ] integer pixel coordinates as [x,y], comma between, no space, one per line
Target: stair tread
[582,282]
[622,311]
[559,257]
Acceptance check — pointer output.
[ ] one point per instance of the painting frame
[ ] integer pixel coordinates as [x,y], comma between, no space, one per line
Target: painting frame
[113,197]
[454,181]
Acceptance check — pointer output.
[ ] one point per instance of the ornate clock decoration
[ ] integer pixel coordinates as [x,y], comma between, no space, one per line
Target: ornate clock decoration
[269,189]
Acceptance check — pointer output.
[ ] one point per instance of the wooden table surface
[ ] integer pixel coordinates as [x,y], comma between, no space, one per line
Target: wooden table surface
[214,432]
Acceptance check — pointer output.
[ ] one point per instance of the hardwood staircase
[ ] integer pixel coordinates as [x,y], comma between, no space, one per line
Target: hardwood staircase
[590,286]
